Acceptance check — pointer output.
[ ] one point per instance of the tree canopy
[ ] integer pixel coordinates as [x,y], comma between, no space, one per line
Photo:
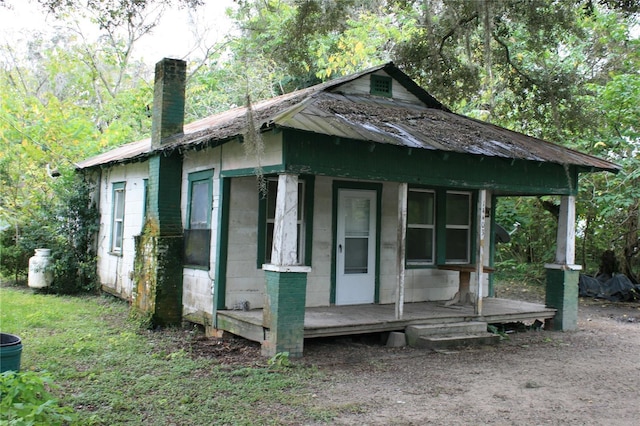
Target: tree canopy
[565,71]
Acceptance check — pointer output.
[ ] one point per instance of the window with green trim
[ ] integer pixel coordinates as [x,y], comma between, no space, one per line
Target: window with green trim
[458,227]
[117,216]
[421,213]
[267,221]
[438,233]
[197,234]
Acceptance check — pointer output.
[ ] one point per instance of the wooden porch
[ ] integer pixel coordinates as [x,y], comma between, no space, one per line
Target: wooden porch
[361,319]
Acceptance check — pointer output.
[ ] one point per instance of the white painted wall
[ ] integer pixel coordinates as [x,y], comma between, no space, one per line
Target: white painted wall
[198,284]
[245,282]
[115,271]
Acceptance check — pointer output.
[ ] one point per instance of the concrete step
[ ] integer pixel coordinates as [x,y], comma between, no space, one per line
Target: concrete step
[414,332]
[449,342]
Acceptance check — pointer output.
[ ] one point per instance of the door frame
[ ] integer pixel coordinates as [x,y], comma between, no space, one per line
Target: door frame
[365,186]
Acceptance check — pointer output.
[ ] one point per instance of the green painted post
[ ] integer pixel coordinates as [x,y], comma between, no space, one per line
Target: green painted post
[562,294]
[284,309]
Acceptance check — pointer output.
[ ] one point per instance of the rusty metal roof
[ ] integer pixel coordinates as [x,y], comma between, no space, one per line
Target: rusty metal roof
[324,109]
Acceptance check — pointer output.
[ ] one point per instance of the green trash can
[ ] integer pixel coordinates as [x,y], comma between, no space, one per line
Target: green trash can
[10,352]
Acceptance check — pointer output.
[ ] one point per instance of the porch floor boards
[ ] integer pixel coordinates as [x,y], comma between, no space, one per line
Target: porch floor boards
[361,319]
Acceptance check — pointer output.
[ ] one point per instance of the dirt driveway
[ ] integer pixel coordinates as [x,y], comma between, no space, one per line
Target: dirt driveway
[586,377]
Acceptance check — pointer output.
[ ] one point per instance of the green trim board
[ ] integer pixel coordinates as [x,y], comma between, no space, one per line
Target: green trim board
[197,232]
[251,171]
[441,226]
[372,186]
[308,153]
[492,245]
[222,247]
[196,177]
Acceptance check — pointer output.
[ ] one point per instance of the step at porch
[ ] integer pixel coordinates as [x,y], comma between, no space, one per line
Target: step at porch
[450,335]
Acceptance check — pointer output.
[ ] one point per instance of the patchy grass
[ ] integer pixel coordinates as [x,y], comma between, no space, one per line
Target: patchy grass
[113,372]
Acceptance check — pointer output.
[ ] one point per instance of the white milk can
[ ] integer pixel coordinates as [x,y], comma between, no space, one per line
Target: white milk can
[40,271]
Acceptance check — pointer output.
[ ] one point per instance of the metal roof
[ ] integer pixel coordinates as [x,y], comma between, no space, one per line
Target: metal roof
[324,109]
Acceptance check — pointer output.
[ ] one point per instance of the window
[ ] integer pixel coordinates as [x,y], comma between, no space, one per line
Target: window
[272,192]
[438,227]
[458,227]
[420,226]
[197,235]
[117,217]
[380,85]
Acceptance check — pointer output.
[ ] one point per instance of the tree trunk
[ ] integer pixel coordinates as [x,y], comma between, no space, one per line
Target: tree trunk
[632,241]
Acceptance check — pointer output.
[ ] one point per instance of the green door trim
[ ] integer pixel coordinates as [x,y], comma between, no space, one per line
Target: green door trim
[367,186]
[222,246]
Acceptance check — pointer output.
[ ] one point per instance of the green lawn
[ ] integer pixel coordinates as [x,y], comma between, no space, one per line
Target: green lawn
[113,372]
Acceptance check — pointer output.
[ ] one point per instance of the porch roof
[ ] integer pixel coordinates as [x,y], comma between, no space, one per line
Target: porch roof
[326,109]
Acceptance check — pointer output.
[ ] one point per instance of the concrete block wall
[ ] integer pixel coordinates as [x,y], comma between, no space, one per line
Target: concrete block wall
[115,271]
[198,284]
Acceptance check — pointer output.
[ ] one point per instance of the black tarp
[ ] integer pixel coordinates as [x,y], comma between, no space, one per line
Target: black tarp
[616,288]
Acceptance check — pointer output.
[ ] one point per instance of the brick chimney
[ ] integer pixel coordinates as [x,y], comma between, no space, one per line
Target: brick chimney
[159,248]
[168,100]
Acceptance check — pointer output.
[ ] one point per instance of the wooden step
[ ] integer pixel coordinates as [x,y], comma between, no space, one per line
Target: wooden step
[457,341]
[414,332]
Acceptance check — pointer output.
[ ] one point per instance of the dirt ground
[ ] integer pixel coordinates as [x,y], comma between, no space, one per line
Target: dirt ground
[585,377]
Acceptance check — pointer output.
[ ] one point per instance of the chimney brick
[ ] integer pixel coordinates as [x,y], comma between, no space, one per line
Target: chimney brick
[168,100]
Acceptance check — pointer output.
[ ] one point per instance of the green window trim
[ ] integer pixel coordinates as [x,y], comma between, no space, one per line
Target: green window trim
[306,222]
[117,218]
[145,195]
[197,232]
[443,226]
[381,85]
[366,186]
[421,215]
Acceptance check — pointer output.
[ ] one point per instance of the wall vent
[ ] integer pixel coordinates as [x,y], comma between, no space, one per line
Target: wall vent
[381,85]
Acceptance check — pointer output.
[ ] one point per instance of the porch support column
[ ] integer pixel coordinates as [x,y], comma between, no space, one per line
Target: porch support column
[482,205]
[402,241]
[286,280]
[562,276]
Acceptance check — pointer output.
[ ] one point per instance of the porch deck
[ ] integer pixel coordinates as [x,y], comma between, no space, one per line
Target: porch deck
[361,319]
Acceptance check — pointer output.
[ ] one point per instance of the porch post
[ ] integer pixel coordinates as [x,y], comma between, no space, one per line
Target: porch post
[563,274]
[286,280]
[482,204]
[402,241]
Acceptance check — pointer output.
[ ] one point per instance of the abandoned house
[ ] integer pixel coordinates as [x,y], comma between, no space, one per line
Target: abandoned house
[358,205]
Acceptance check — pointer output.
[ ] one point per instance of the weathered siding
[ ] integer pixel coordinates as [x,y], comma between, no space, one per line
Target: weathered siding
[362,86]
[235,156]
[244,281]
[197,286]
[319,279]
[115,271]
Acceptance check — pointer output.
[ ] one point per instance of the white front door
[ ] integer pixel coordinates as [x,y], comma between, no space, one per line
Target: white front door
[356,247]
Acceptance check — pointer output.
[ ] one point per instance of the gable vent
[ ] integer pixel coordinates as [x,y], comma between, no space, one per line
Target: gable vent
[380,85]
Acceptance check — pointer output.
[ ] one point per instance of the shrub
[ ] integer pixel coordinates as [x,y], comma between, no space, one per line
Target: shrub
[67,225]
[26,400]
